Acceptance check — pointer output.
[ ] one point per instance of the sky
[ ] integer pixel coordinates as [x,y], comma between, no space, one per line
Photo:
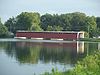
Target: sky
[9,8]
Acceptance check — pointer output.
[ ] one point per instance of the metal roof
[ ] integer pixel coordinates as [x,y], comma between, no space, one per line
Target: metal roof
[54,31]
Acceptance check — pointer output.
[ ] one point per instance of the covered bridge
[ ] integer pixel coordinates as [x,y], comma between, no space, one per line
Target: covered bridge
[65,35]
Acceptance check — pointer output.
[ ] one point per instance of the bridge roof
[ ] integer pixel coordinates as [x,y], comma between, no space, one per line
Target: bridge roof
[55,31]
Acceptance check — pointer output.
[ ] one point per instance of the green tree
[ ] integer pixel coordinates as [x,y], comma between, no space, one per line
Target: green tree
[65,21]
[49,28]
[98,21]
[11,24]
[24,21]
[91,26]
[46,20]
[28,21]
[98,25]
[78,21]
[3,30]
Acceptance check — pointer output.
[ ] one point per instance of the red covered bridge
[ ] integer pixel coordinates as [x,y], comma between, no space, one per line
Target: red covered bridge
[65,35]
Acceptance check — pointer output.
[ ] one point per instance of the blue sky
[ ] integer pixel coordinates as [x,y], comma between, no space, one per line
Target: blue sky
[9,8]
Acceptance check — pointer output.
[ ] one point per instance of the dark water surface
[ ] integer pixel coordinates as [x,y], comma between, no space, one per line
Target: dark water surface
[26,57]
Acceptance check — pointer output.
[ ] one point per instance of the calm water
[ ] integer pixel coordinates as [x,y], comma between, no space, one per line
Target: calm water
[26,57]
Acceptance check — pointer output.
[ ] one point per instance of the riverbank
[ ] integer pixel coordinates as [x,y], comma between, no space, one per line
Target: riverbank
[90,65]
[82,39]
[90,39]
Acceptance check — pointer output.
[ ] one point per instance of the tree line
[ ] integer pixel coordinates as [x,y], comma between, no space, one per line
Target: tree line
[33,21]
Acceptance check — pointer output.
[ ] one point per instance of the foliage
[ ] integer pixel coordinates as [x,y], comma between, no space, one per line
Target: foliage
[90,65]
[70,22]
[91,26]
[64,22]
[46,20]
[24,21]
[28,21]
[78,21]
[98,25]
[11,24]
[54,28]
[98,21]
[54,72]
[90,39]
[86,35]
[3,30]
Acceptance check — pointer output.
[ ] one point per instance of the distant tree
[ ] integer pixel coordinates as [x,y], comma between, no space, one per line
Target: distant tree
[97,32]
[78,21]
[98,25]
[3,30]
[65,21]
[54,28]
[58,28]
[91,26]
[11,24]
[28,21]
[24,21]
[46,20]
[49,28]
[55,21]
[35,28]
[98,21]
[71,21]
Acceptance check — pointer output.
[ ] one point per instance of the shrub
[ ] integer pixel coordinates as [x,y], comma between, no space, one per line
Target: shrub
[90,65]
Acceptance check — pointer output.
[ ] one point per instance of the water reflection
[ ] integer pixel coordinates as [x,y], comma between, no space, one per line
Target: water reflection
[32,52]
[43,55]
[98,46]
[80,47]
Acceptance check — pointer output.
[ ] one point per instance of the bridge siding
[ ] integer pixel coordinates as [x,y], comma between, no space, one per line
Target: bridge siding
[47,35]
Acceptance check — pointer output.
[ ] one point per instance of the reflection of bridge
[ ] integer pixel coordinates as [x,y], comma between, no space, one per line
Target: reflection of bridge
[80,47]
[75,46]
[65,35]
[98,46]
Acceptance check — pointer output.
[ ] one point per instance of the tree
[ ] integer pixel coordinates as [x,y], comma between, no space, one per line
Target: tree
[91,26]
[98,25]
[49,28]
[98,21]
[11,24]
[65,21]
[3,30]
[24,21]
[28,21]
[78,21]
[52,22]
[46,20]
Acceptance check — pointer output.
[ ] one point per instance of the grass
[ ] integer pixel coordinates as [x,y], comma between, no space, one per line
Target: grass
[90,39]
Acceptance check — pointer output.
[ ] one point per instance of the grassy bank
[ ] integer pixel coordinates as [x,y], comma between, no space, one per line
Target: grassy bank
[90,39]
[90,65]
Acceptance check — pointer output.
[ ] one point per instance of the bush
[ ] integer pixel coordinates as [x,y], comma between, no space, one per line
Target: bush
[90,65]
[86,35]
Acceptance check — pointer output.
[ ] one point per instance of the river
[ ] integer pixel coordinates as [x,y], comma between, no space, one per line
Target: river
[29,57]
